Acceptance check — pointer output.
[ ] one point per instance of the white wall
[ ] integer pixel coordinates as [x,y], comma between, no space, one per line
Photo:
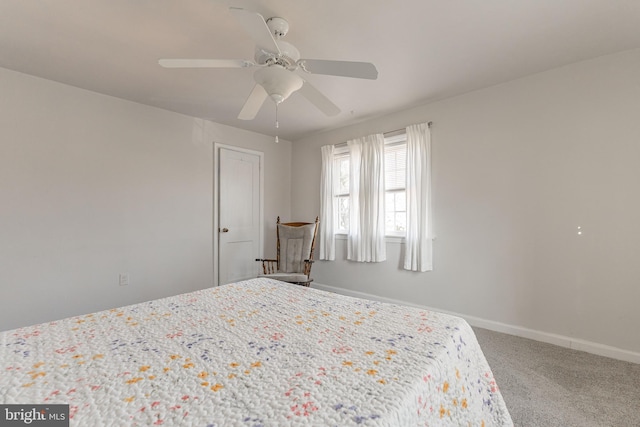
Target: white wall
[92,186]
[517,168]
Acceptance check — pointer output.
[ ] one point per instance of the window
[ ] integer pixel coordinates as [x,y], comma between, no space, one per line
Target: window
[395,180]
[341,191]
[395,159]
[394,198]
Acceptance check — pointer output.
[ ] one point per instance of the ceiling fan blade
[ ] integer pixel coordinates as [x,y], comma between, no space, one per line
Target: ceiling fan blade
[323,103]
[253,103]
[205,63]
[256,26]
[360,70]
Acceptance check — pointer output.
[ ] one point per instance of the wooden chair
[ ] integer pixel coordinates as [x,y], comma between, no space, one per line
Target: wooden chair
[296,242]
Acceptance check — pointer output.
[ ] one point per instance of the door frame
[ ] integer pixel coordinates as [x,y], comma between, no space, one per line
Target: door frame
[216,202]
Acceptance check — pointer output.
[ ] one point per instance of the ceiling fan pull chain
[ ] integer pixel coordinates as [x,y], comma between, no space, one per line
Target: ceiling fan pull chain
[277,124]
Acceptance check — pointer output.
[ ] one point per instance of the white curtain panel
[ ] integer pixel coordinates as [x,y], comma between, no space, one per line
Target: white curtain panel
[418,243]
[327,215]
[366,240]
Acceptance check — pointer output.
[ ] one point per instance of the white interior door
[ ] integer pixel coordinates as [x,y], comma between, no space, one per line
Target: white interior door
[239,218]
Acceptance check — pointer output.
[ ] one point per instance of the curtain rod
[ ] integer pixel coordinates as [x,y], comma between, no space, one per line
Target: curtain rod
[344,144]
[402,129]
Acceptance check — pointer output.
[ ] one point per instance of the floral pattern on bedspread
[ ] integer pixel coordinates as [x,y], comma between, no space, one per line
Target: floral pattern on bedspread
[255,353]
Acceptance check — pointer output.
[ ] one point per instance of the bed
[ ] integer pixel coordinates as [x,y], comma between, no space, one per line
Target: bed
[255,353]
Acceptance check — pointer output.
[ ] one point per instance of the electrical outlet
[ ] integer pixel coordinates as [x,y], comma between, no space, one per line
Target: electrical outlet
[123,279]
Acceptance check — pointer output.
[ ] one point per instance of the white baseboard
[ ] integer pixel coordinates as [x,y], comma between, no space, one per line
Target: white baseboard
[560,340]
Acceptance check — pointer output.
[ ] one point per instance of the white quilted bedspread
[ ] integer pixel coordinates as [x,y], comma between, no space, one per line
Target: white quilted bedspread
[255,353]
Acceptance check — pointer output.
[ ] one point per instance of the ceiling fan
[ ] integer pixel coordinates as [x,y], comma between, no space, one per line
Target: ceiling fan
[277,62]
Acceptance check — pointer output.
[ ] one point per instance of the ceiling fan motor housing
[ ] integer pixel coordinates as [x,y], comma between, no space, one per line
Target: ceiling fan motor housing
[287,57]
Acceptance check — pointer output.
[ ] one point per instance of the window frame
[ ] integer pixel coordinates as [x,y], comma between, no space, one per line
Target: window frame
[394,140]
[342,151]
[339,153]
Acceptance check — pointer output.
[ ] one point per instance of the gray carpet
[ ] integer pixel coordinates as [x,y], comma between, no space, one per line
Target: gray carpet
[547,385]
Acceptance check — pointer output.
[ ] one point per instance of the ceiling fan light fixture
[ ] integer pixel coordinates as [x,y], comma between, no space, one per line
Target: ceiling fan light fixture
[278,82]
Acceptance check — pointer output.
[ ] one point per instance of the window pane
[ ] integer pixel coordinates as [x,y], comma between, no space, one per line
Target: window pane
[401,201]
[395,212]
[343,213]
[343,182]
[400,221]
[395,165]
[389,221]
[389,202]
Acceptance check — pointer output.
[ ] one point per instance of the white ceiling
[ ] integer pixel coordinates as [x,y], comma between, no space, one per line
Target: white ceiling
[423,49]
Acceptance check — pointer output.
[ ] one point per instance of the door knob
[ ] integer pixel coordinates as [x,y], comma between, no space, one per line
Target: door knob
[225,230]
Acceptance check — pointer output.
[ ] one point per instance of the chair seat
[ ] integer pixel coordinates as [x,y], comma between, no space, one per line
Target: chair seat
[288,277]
